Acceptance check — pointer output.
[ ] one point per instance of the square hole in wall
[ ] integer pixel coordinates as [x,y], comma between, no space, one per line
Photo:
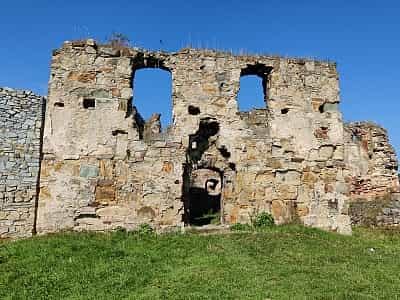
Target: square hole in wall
[89,103]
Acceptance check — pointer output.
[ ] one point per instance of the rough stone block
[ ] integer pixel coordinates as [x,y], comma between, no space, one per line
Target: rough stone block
[105,193]
[88,171]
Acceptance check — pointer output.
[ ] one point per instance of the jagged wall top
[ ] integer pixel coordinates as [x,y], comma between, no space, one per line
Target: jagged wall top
[286,159]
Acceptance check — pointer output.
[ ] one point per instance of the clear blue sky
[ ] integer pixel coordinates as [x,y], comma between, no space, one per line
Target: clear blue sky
[362,36]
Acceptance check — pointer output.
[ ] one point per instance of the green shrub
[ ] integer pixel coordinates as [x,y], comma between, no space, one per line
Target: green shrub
[263,220]
[145,229]
[241,227]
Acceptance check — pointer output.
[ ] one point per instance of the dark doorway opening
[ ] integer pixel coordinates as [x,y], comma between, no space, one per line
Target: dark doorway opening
[203,197]
[204,208]
[202,181]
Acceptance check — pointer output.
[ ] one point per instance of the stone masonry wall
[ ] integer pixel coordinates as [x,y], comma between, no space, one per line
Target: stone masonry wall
[373,175]
[20,140]
[105,167]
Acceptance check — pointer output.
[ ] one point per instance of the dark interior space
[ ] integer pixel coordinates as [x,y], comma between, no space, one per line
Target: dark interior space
[202,196]
[207,128]
[89,103]
[204,208]
[202,183]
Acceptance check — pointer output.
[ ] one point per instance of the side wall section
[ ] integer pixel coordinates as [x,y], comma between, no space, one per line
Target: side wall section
[373,178]
[20,135]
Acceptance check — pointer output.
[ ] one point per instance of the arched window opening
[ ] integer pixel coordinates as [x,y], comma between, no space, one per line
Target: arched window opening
[152,100]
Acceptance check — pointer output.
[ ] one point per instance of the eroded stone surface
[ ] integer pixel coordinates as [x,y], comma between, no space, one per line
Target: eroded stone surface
[284,159]
[372,175]
[105,167]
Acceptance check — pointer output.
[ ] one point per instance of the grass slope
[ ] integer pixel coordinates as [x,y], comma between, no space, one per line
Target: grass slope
[288,262]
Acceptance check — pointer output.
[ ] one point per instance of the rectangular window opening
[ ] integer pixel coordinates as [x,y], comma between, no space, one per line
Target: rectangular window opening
[254,84]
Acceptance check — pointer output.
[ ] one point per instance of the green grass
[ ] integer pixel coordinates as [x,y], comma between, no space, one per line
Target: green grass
[288,262]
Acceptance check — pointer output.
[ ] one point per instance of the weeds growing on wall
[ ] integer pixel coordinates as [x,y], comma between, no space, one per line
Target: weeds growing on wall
[119,40]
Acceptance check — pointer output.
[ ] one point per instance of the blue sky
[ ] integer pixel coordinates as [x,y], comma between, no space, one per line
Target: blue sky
[363,37]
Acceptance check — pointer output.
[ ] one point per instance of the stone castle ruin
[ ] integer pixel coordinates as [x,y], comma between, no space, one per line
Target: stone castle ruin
[84,159]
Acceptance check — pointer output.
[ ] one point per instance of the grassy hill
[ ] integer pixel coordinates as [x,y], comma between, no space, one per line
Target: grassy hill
[288,262]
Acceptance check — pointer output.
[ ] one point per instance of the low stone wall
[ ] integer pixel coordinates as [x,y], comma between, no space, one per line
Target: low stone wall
[21,119]
[383,211]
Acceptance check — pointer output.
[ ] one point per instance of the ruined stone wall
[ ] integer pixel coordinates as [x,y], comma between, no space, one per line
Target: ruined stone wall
[20,136]
[104,168]
[373,175]
[98,173]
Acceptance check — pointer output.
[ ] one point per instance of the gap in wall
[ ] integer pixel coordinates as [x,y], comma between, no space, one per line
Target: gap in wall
[152,93]
[251,93]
